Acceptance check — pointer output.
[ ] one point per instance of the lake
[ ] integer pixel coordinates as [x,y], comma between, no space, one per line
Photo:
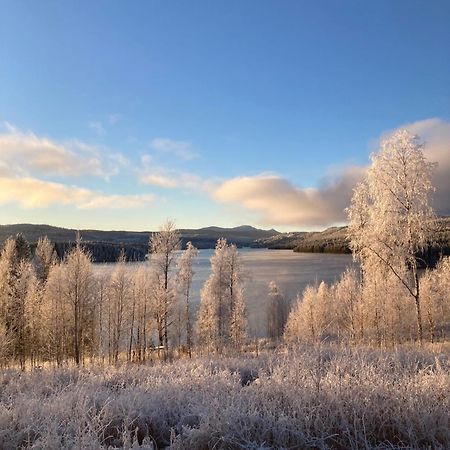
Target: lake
[291,271]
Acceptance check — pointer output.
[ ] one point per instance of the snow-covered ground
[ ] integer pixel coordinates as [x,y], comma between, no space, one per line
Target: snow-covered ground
[309,398]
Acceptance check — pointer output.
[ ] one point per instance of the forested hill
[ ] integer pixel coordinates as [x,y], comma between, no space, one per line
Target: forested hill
[331,240]
[334,240]
[106,246]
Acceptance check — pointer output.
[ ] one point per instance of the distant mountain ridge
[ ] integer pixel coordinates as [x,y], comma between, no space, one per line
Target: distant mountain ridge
[106,245]
[32,232]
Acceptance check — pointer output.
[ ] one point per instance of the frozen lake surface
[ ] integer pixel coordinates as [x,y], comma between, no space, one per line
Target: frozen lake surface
[291,271]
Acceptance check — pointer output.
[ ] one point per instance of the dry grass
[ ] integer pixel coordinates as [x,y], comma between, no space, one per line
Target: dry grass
[311,398]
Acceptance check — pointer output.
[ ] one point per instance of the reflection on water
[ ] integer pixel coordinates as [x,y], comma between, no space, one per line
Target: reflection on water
[291,271]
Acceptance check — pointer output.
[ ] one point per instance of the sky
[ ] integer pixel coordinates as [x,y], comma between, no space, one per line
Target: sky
[118,115]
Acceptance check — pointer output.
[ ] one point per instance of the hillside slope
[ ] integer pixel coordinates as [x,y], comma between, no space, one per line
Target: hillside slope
[106,246]
[334,240]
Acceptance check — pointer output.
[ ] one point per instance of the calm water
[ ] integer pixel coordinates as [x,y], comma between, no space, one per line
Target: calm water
[291,271]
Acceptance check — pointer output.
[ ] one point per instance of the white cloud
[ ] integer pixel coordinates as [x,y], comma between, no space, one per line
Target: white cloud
[277,201]
[163,177]
[180,149]
[173,179]
[29,192]
[158,179]
[25,158]
[25,153]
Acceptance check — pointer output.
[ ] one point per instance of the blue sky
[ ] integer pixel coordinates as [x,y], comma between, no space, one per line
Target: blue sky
[209,112]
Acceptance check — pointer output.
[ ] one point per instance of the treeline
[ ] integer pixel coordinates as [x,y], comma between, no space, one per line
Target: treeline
[109,252]
[59,310]
[376,311]
[105,252]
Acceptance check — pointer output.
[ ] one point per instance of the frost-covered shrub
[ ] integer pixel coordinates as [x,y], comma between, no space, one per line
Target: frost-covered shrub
[310,398]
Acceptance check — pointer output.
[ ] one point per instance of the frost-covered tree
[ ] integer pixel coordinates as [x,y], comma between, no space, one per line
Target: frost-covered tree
[212,297]
[18,324]
[8,278]
[237,312]
[347,300]
[221,317]
[119,303]
[276,313]
[159,307]
[163,251]
[313,318]
[44,258]
[301,322]
[139,313]
[390,215]
[141,335]
[67,305]
[325,316]
[238,318]
[435,294]
[207,319]
[4,346]
[101,301]
[220,290]
[348,312]
[57,315]
[23,250]
[185,276]
[79,294]
[35,332]
[15,275]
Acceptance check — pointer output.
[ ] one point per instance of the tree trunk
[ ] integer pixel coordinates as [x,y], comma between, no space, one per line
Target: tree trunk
[418,306]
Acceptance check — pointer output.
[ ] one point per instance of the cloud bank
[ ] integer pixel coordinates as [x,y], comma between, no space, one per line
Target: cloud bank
[33,193]
[25,152]
[26,157]
[277,201]
[162,177]
[27,161]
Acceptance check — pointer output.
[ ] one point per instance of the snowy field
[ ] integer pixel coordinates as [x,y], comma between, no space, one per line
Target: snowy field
[311,398]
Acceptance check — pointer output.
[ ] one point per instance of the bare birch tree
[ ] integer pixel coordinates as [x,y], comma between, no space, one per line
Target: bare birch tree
[163,246]
[78,290]
[119,296]
[221,317]
[390,216]
[185,277]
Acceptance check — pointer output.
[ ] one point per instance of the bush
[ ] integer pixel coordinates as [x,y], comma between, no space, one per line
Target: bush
[325,398]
